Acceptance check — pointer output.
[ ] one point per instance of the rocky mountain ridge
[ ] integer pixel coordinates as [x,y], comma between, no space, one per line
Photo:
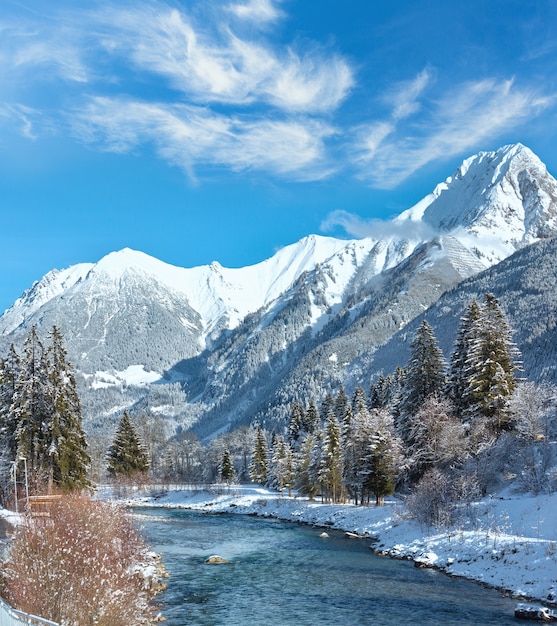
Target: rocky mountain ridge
[211,347]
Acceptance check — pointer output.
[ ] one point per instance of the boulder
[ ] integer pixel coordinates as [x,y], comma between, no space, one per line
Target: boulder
[215,558]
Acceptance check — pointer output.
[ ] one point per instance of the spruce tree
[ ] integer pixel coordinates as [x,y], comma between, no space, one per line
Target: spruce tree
[32,409]
[331,474]
[259,467]
[296,422]
[359,400]
[68,460]
[458,388]
[9,374]
[492,367]
[311,418]
[425,374]
[127,456]
[227,473]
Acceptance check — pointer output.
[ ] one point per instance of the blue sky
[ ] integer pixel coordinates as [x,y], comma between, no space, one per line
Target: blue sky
[225,129]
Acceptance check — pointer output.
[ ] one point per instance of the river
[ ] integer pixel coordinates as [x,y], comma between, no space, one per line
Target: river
[282,573]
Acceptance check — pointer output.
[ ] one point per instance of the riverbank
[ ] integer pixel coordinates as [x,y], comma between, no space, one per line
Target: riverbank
[511,544]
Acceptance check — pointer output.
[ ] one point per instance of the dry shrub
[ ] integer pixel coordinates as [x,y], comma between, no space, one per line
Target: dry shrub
[79,567]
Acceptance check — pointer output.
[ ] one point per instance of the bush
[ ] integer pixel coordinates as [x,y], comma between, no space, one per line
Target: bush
[79,566]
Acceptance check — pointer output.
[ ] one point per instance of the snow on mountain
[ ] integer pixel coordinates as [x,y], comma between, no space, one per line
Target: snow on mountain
[219,332]
[495,203]
[215,292]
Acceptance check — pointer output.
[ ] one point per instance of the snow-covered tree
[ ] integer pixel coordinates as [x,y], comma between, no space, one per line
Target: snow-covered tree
[425,374]
[458,389]
[281,469]
[493,366]
[383,457]
[227,473]
[259,461]
[332,459]
[435,436]
[127,456]
[305,479]
[533,410]
[68,460]
[9,374]
[32,409]
[311,418]
[372,457]
[296,423]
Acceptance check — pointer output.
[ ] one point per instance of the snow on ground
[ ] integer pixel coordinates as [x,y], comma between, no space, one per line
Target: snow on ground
[512,544]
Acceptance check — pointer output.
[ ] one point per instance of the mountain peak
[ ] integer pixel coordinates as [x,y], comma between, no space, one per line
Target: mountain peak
[508,192]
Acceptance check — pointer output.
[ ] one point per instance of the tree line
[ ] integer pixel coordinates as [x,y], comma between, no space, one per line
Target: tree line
[454,424]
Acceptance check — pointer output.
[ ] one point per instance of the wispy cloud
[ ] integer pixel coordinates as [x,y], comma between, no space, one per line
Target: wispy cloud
[356,226]
[220,66]
[230,91]
[256,10]
[469,115]
[189,136]
[234,97]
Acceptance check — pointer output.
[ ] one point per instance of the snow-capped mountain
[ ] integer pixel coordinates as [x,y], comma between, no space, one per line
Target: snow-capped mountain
[234,343]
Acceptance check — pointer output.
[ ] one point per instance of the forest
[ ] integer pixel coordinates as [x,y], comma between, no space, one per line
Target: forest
[452,430]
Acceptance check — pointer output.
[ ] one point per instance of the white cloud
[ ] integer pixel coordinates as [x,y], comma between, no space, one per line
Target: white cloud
[404,96]
[28,122]
[223,67]
[33,48]
[458,122]
[355,226]
[256,10]
[189,136]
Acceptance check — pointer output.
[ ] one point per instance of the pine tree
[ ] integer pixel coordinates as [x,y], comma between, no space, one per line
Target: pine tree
[342,407]
[281,470]
[492,367]
[425,374]
[68,460]
[311,421]
[259,468]
[296,422]
[227,473]
[359,400]
[127,456]
[9,374]
[332,467]
[305,479]
[458,389]
[32,409]
[356,439]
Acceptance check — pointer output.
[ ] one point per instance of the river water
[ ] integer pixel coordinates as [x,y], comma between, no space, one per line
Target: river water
[282,574]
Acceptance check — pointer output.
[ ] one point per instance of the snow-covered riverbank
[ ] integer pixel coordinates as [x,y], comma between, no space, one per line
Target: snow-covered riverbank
[512,546]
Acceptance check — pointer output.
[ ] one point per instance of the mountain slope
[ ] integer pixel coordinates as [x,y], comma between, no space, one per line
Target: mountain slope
[214,347]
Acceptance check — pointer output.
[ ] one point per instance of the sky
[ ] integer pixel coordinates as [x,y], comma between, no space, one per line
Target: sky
[222,130]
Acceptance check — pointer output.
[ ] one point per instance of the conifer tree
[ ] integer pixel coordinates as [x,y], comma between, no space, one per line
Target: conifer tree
[359,400]
[342,407]
[227,473]
[281,470]
[380,467]
[68,460]
[458,388]
[425,374]
[492,366]
[32,409]
[296,422]
[311,421]
[259,467]
[127,456]
[332,467]
[304,479]
[9,374]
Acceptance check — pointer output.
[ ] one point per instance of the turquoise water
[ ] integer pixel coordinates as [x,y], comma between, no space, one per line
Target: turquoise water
[283,573]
